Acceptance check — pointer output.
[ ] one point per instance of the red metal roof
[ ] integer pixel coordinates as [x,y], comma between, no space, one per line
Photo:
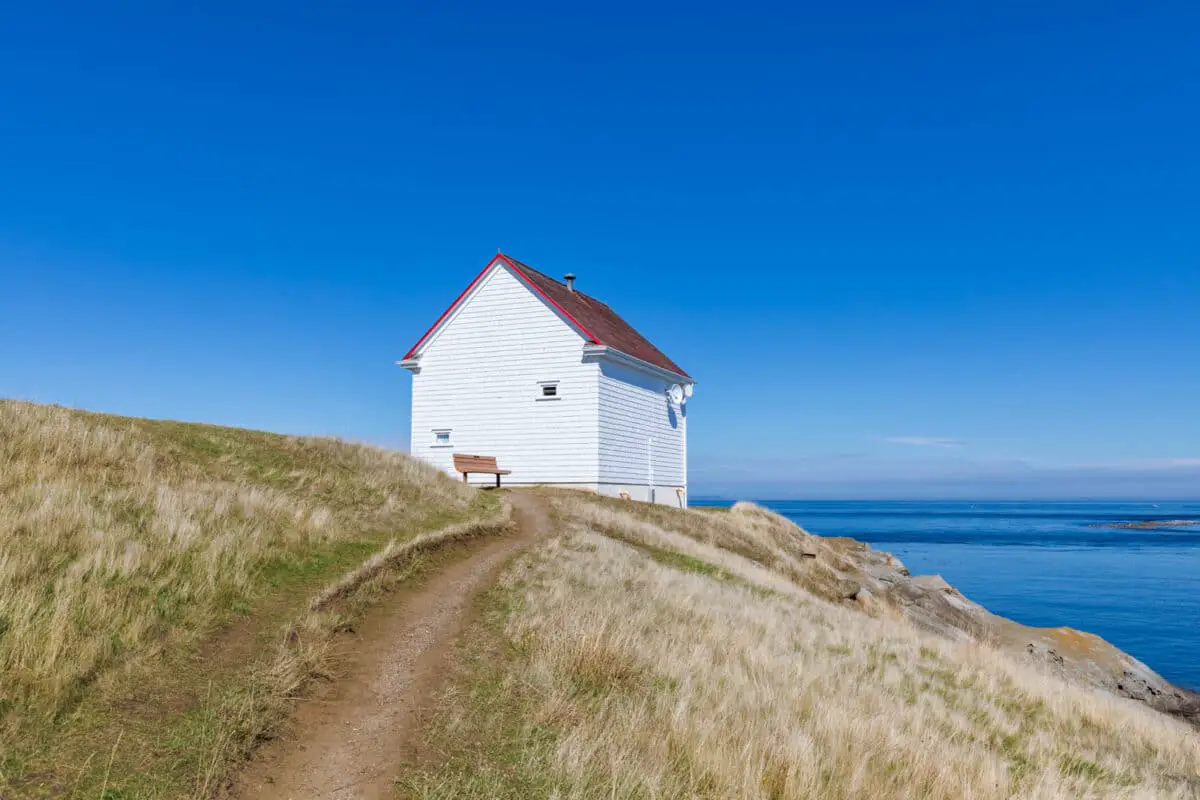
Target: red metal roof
[595,320]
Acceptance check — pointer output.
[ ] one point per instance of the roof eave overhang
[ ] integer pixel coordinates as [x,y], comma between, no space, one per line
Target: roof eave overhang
[595,351]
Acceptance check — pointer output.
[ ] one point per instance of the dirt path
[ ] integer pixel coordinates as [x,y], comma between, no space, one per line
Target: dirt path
[352,741]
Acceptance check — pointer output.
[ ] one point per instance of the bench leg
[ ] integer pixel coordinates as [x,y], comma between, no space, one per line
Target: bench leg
[497,480]
[464,477]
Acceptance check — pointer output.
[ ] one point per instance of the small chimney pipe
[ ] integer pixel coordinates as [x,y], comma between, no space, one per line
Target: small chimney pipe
[570,279]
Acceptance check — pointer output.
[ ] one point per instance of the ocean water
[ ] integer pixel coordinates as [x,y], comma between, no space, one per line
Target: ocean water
[1047,564]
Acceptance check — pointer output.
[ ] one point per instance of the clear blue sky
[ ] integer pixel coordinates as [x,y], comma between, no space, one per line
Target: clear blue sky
[906,249]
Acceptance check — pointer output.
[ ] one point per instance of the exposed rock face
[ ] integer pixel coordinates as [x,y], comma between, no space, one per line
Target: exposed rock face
[1088,658]
[936,606]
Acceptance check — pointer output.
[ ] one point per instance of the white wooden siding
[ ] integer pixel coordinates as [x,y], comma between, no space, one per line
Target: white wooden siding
[636,420]
[479,377]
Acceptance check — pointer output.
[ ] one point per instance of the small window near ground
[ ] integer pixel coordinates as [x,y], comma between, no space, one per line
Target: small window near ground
[441,438]
[548,390]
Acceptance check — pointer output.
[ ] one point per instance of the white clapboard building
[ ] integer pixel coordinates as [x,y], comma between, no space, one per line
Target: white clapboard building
[554,385]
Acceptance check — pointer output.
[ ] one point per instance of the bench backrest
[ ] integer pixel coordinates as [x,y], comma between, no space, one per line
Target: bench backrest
[468,463]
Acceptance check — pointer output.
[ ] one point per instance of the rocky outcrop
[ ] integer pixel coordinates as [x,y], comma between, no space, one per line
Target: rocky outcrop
[1086,658]
[885,586]
[936,606]
[844,570]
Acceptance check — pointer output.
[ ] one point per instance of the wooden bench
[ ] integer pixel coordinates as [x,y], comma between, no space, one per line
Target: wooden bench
[485,465]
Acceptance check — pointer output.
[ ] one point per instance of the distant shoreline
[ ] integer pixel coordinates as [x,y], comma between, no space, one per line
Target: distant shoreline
[1149,524]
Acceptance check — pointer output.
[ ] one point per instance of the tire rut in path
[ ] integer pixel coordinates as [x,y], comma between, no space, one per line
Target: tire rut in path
[349,742]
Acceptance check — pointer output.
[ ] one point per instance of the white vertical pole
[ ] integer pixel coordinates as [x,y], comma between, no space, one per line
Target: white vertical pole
[650,467]
[683,453]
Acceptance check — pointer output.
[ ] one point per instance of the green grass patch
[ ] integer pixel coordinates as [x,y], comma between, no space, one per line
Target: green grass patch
[686,563]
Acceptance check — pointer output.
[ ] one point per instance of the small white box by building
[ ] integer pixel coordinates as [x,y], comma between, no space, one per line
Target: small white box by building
[554,384]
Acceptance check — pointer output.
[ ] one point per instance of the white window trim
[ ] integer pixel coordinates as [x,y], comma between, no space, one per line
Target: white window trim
[540,397]
[449,437]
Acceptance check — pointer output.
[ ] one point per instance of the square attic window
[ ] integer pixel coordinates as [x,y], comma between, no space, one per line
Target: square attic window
[441,438]
[548,390]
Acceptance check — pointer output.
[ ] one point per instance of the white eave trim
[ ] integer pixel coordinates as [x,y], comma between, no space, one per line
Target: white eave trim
[412,364]
[604,351]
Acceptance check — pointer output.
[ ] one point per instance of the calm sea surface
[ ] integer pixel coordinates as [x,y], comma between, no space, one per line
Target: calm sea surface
[1047,564]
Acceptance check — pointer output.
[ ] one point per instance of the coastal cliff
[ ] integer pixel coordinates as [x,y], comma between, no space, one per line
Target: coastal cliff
[879,584]
[853,574]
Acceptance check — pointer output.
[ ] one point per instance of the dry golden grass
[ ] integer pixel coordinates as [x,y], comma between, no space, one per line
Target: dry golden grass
[123,540]
[108,538]
[643,662]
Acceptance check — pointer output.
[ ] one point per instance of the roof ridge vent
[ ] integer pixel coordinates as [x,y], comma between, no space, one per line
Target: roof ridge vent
[569,278]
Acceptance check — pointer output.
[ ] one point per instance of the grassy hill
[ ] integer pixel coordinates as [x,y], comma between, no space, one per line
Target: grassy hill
[649,653]
[160,588]
[167,590]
